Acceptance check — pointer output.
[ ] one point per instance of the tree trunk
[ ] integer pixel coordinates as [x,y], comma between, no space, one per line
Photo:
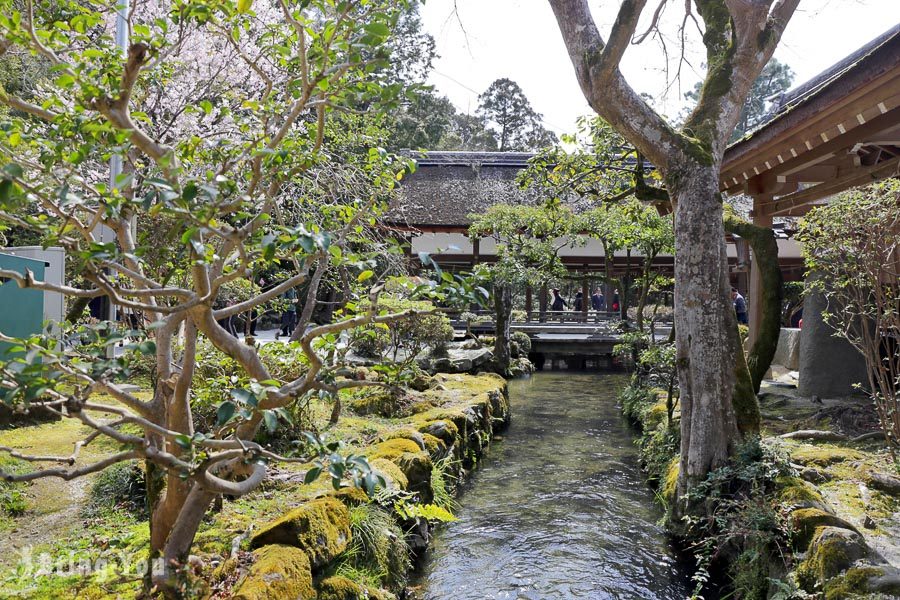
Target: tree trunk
[765,258]
[502,315]
[645,290]
[703,314]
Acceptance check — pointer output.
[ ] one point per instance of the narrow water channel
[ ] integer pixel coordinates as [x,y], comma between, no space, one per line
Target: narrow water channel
[558,509]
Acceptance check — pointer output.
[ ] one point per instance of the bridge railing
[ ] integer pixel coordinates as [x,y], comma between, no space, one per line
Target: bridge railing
[549,316]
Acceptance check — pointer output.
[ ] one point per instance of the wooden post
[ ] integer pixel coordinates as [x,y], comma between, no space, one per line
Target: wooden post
[585,296]
[754,301]
[542,303]
[528,304]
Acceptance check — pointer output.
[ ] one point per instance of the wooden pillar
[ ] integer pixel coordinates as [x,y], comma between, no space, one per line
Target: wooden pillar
[542,303]
[754,301]
[585,296]
[528,303]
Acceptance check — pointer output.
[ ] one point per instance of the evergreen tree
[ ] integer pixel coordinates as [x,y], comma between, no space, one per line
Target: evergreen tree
[516,125]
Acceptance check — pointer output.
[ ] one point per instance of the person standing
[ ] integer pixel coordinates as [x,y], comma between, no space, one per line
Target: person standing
[740,307]
[598,302]
[558,304]
[615,301]
[579,302]
[289,316]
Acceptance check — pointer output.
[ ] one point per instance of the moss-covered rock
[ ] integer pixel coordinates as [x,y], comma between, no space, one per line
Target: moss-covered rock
[445,431]
[392,449]
[341,588]
[410,434]
[350,495]
[321,528]
[824,455]
[805,523]
[797,493]
[832,550]
[417,468]
[669,487]
[852,583]
[435,446]
[392,473]
[279,573]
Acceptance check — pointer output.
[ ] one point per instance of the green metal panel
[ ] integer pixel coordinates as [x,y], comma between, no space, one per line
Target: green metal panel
[21,310]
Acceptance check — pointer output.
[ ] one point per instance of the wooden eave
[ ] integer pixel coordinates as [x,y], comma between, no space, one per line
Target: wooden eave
[843,132]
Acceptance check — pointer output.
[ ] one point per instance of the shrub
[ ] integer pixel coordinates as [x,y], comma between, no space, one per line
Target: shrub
[120,486]
[413,334]
[519,344]
[216,375]
[518,316]
[13,501]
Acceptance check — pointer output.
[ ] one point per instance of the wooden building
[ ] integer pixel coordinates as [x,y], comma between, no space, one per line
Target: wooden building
[839,130]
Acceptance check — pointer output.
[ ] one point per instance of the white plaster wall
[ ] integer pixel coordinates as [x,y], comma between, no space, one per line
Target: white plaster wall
[448,243]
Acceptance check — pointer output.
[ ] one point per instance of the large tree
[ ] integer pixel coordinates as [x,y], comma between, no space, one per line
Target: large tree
[507,111]
[739,38]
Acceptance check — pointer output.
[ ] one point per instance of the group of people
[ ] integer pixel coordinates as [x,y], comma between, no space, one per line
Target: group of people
[598,301]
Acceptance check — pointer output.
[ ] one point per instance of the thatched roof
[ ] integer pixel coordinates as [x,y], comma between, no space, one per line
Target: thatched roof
[449,186]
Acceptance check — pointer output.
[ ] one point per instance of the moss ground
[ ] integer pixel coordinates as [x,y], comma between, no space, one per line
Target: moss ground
[53,523]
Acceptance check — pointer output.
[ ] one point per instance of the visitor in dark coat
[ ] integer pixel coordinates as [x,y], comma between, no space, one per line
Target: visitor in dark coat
[579,301]
[558,303]
[598,302]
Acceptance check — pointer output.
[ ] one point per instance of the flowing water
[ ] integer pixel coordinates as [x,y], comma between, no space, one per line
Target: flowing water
[558,508]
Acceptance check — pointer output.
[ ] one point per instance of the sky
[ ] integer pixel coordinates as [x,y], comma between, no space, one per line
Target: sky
[484,40]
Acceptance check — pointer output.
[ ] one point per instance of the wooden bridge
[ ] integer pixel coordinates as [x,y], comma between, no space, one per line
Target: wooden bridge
[578,340]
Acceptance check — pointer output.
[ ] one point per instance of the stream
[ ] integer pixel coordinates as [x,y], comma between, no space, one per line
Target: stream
[558,508]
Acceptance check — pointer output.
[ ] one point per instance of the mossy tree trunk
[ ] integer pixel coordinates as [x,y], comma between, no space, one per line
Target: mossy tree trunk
[716,409]
[765,258]
[740,38]
[645,291]
[502,317]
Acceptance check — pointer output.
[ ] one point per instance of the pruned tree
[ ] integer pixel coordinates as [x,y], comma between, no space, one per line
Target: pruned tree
[516,125]
[853,244]
[739,38]
[223,114]
[528,240]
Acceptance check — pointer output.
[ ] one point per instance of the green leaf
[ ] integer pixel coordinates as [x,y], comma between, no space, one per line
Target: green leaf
[225,412]
[12,171]
[183,441]
[312,475]
[147,347]
[378,30]
[243,396]
[271,420]
[244,5]
[367,274]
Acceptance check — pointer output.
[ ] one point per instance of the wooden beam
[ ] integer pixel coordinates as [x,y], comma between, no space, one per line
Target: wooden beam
[833,145]
[850,101]
[861,176]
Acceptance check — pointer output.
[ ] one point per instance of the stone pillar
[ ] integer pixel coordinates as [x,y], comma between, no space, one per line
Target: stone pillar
[829,365]
[754,300]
